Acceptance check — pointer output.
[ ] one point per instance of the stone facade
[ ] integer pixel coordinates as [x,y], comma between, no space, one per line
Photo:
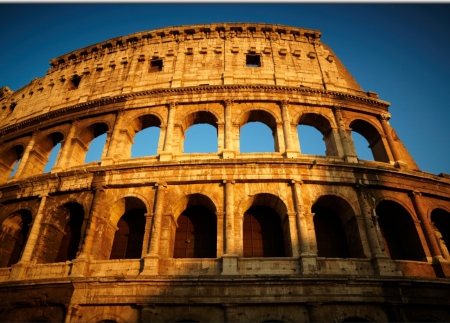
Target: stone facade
[339,238]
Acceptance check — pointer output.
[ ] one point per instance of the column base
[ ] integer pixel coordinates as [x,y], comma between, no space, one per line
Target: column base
[151,265]
[400,164]
[165,156]
[230,264]
[80,267]
[291,154]
[107,161]
[441,267]
[18,271]
[384,267]
[228,154]
[351,159]
[308,264]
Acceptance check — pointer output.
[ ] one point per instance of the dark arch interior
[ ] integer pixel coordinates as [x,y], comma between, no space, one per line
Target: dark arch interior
[399,232]
[330,234]
[20,237]
[129,236]
[262,233]
[441,221]
[196,235]
[70,242]
[336,228]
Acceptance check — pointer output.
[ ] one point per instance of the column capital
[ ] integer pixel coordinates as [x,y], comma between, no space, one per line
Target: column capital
[228,102]
[161,184]
[228,181]
[296,181]
[284,102]
[384,117]
[415,193]
[120,112]
[173,105]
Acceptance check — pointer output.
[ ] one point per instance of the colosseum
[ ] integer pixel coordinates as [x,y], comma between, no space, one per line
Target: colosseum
[225,236]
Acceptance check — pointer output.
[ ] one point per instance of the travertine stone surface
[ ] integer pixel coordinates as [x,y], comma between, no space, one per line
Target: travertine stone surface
[361,240]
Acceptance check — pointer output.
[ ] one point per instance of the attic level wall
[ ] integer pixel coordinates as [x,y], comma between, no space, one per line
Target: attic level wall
[118,67]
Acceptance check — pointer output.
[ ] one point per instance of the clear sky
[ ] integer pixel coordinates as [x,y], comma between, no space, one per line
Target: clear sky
[400,51]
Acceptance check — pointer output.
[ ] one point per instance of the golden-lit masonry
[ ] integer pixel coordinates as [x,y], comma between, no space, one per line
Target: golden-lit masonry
[224,236]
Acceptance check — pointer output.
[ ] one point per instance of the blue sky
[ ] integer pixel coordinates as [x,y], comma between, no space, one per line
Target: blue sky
[399,51]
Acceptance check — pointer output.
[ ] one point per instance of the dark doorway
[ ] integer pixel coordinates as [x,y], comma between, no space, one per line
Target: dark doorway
[263,235]
[196,235]
[129,236]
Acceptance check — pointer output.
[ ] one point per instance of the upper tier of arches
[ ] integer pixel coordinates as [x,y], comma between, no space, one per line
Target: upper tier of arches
[29,154]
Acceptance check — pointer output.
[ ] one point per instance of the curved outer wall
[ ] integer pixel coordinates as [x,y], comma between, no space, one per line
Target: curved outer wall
[358,240]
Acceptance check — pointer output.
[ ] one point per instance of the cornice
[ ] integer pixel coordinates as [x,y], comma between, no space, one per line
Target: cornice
[182,90]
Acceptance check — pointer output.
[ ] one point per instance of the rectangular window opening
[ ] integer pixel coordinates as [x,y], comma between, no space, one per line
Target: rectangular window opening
[253,60]
[156,65]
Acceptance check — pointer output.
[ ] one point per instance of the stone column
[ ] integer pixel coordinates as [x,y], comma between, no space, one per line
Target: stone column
[168,152]
[26,154]
[229,151]
[290,152]
[347,143]
[148,226]
[113,143]
[151,260]
[80,267]
[308,257]
[426,225]
[19,269]
[391,142]
[230,258]
[63,161]
[380,261]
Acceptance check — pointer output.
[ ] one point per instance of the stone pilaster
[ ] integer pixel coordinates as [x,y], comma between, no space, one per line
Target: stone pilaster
[230,258]
[347,143]
[24,160]
[308,257]
[168,151]
[229,151]
[290,152]
[151,260]
[19,269]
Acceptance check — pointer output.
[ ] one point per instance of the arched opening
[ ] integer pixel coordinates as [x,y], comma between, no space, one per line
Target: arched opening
[9,161]
[146,139]
[45,154]
[146,142]
[373,137]
[441,222]
[399,233]
[13,237]
[263,235]
[362,147]
[258,132]
[311,142]
[200,133]
[70,241]
[96,149]
[85,149]
[266,228]
[60,234]
[52,158]
[196,234]
[128,237]
[336,228]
